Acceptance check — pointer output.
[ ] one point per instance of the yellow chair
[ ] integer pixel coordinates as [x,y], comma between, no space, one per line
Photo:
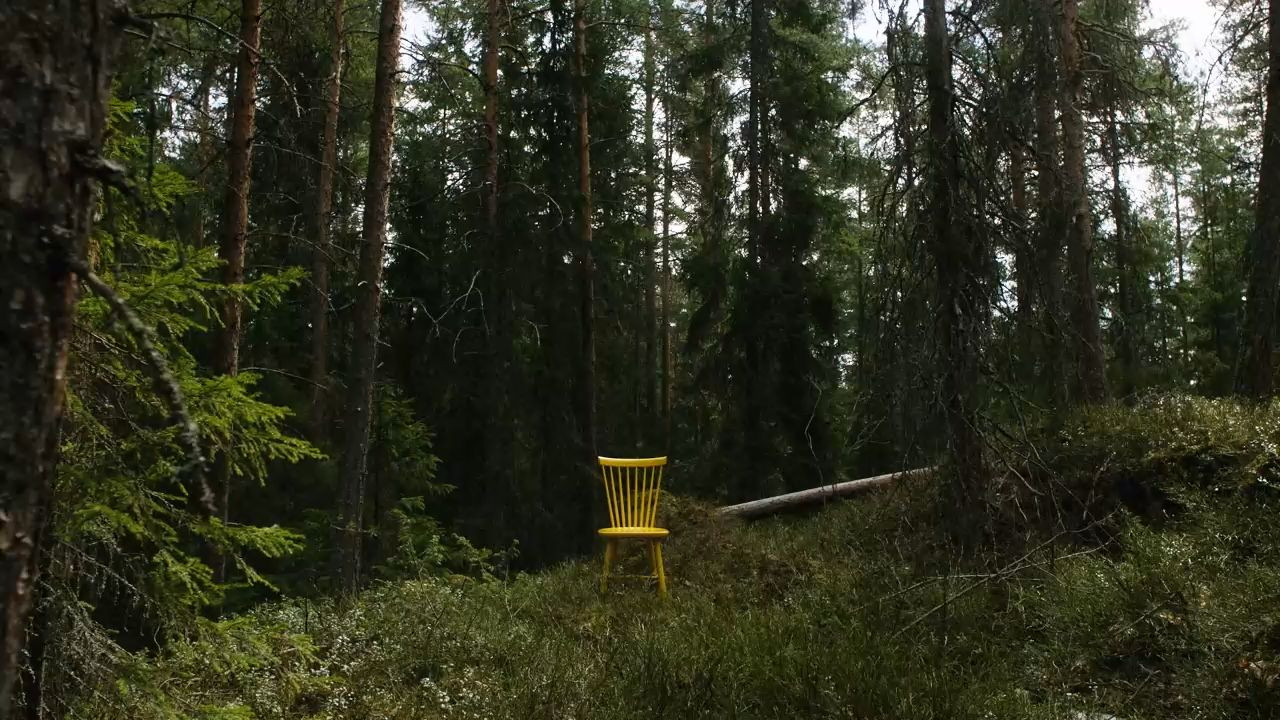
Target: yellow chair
[631,489]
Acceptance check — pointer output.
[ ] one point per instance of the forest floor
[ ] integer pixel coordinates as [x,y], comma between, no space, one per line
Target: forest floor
[856,611]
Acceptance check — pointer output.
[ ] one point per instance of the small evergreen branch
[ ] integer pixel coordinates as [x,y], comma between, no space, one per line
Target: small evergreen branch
[166,386]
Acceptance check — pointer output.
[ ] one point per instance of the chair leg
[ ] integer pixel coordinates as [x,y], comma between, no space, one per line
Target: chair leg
[610,552]
[656,552]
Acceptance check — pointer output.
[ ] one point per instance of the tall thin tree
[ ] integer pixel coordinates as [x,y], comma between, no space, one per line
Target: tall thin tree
[668,288]
[1050,235]
[651,342]
[586,262]
[959,260]
[1090,364]
[235,226]
[364,352]
[1127,281]
[1257,375]
[321,252]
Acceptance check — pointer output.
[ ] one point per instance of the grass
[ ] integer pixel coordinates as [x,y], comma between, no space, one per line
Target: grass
[856,611]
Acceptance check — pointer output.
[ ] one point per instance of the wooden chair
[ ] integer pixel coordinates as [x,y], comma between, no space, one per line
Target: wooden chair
[631,489]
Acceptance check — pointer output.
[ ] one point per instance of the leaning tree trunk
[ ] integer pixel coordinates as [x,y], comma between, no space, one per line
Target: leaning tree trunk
[959,262]
[1257,374]
[55,77]
[364,353]
[320,254]
[1091,382]
[226,353]
[586,263]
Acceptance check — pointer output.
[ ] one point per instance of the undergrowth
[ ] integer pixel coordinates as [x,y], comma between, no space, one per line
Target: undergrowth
[857,611]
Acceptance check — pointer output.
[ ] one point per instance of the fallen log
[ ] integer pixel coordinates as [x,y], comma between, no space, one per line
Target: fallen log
[778,503]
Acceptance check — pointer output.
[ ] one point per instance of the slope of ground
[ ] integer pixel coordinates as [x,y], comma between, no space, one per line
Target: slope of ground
[856,611]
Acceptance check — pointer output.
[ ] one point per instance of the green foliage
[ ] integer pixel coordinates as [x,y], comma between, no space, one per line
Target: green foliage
[129,536]
[1171,453]
[859,611]
[426,548]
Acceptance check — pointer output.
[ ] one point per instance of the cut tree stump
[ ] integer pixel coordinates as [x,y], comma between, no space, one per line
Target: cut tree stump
[789,501]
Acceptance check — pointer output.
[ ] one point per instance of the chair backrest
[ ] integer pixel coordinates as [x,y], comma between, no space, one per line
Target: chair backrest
[631,488]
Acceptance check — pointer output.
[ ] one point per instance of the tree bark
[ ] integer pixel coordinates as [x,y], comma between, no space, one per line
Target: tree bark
[813,496]
[1014,139]
[1180,252]
[491,42]
[364,354]
[226,358]
[498,423]
[668,349]
[586,262]
[1257,374]
[755,100]
[1090,363]
[1127,282]
[959,264]
[235,230]
[1024,264]
[320,256]
[649,367]
[1050,231]
[206,149]
[55,78]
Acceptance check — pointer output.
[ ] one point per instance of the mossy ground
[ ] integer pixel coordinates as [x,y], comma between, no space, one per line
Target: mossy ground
[859,610]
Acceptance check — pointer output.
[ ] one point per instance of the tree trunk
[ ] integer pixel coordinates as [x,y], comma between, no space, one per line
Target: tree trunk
[668,350]
[754,393]
[235,229]
[205,148]
[586,263]
[1180,253]
[1090,370]
[1126,305]
[491,42]
[959,264]
[364,353]
[1049,230]
[498,424]
[226,359]
[320,256]
[649,366]
[755,99]
[55,78]
[1014,140]
[819,495]
[1257,372]
[1024,260]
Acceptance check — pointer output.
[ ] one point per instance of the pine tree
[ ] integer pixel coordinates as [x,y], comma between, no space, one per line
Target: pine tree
[1090,371]
[1257,376]
[359,408]
[320,254]
[959,259]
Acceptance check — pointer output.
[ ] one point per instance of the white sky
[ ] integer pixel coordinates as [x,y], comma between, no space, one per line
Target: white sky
[1196,22]
[1197,17]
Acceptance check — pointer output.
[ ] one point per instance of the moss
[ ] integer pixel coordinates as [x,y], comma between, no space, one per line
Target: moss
[857,611]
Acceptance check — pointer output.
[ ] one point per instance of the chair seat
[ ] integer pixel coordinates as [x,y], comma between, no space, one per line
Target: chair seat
[633,532]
